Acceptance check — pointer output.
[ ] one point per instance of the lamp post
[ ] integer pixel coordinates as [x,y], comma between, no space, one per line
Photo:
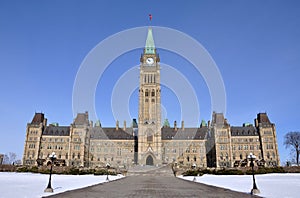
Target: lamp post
[254,190]
[107,167]
[52,158]
[193,167]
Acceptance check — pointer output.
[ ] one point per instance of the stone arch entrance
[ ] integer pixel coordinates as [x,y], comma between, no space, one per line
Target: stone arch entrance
[149,160]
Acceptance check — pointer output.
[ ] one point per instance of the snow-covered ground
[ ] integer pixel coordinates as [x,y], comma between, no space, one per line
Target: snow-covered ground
[25,185]
[270,185]
[30,185]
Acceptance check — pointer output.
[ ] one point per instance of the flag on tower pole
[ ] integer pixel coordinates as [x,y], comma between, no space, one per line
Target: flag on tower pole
[150,17]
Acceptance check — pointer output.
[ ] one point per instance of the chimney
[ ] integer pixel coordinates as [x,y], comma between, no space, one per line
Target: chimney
[182,125]
[124,126]
[225,121]
[208,123]
[175,125]
[117,125]
[256,122]
[45,122]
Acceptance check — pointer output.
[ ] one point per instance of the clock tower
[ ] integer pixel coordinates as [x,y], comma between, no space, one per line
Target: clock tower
[149,123]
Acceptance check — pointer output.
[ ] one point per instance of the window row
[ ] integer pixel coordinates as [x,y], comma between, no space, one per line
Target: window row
[246,147]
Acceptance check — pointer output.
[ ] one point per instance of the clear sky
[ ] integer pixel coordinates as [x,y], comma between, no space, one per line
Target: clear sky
[255,45]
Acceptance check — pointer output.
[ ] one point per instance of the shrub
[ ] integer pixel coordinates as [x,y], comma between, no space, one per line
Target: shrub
[265,170]
[229,172]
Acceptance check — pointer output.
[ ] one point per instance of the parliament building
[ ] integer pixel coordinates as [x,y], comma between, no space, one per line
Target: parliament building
[147,141]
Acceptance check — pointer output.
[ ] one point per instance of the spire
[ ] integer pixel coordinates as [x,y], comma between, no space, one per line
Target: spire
[150,47]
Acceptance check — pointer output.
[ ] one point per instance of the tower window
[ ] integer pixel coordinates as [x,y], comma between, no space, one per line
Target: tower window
[146,93]
[152,100]
[152,92]
[149,138]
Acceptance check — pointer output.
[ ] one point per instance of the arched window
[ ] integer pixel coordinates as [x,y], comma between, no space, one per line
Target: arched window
[241,156]
[153,92]
[146,93]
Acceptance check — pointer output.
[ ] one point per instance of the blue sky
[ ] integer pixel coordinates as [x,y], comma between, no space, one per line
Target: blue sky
[255,45]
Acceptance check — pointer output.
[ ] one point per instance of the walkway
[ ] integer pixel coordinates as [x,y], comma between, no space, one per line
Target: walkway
[155,183]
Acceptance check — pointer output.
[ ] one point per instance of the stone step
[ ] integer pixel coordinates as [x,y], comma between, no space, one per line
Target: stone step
[165,170]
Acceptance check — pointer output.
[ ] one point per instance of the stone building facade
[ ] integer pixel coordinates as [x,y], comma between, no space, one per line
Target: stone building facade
[146,141]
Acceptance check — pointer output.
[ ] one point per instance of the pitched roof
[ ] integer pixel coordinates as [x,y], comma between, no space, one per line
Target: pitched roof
[111,133]
[168,133]
[82,119]
[57,130]
[263,118]
[38,118]
[243,131]
[150,46]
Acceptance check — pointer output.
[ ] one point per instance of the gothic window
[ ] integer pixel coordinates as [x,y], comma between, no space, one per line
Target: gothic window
[268,155]
[152,100]
[188,158]
[241,156]
[146,93]
[66,155]
[146,100]
[78,155]
[149,138]
[152,93]
[73,156]
[195,159]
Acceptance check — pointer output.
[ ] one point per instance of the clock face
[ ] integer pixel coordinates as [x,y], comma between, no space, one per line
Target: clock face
[149,61]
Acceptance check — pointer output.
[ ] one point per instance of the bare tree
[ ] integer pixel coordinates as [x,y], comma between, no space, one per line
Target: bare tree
[292,139]
[9,158]
[12,157]
[5,159]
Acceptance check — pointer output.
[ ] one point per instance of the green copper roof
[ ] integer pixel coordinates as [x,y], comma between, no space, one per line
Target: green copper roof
[203,123]
[166,123]
[98,123]
[150,47]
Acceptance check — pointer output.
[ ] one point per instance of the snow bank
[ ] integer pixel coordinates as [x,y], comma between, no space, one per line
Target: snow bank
[270,185]
[30,185]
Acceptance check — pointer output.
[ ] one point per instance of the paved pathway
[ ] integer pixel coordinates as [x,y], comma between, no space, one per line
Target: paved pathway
[151,184]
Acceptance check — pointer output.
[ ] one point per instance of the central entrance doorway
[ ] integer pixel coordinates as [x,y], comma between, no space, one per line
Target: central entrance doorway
[149,160]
